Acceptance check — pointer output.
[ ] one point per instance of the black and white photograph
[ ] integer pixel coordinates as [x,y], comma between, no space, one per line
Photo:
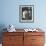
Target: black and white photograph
[26,13]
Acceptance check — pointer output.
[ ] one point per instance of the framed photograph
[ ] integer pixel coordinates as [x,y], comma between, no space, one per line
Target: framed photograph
[26,13]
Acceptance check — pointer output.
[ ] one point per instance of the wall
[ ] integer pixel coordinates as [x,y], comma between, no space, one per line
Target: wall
[9,13]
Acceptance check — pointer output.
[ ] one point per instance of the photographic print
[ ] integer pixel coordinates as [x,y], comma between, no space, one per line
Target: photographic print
[26,13]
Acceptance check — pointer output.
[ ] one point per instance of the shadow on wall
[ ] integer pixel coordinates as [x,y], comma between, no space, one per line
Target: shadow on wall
[2,26]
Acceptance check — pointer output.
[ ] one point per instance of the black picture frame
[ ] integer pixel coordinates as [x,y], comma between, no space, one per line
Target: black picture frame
[26,13]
